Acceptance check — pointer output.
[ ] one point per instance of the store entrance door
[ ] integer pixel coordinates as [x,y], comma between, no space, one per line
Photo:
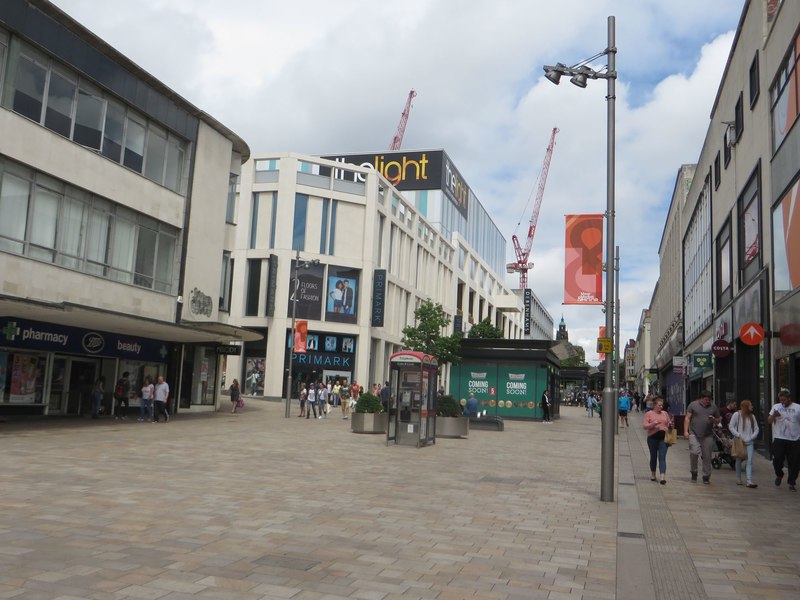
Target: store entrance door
[77,397]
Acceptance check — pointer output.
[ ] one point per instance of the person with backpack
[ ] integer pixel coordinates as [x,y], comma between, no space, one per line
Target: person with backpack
[121,396]
[344,397]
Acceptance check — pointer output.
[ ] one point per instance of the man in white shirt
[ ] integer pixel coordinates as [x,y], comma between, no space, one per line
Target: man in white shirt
[785,420]
[160,400]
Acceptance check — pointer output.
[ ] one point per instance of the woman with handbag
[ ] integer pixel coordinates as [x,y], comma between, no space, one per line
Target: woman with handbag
[657,423]
[744,428]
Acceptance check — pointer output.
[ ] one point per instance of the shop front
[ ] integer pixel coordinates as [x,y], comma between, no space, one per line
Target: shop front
[50,369]
[328,357]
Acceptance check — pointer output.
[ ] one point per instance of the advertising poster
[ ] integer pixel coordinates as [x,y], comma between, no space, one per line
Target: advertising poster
[300,336]
[308,292]
[23,379]
[786,242]
[583,260]
[341,302]
[520,390]
[478,378]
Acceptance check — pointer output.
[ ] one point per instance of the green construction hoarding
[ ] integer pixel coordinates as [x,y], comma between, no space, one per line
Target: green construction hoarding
[502,389]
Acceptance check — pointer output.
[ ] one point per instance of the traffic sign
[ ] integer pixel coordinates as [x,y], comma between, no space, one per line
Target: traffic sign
[751,334]
[605,345]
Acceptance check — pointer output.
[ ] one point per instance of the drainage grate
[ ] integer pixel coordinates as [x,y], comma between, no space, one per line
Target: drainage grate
[626,534]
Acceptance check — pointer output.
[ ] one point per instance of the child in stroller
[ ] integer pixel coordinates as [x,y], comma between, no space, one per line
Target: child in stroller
[723,441]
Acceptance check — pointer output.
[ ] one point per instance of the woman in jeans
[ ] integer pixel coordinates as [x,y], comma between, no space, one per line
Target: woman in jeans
[657,422]
[744,426]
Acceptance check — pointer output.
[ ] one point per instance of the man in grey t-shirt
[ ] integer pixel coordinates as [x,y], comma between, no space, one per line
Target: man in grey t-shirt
[701,416]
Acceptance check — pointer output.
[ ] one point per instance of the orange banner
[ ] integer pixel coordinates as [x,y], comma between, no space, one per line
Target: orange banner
[583,261]
[300,336]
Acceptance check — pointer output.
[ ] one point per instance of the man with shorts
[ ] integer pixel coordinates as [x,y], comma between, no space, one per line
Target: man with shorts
[701,416]
[624,405]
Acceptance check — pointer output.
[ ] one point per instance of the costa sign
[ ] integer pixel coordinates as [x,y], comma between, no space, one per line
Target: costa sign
[721,349]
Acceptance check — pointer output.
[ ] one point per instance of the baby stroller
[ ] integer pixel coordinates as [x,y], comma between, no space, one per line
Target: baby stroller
[723,441]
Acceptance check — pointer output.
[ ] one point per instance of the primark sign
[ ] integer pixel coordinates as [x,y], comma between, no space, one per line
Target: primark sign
[49,337]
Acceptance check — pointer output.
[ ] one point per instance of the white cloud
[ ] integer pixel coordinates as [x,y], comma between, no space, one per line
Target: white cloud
[319,77]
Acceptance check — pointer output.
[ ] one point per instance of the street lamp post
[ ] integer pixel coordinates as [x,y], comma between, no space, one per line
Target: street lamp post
[579,73]
[293,288]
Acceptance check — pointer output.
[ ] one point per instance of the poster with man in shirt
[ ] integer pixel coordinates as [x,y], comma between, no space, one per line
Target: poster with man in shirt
[341,303]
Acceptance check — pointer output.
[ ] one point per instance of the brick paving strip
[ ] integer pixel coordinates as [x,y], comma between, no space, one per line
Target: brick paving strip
[672,570]
[715,541]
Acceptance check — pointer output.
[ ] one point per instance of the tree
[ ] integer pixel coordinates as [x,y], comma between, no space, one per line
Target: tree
[427,336]
[578,359]
[485,331]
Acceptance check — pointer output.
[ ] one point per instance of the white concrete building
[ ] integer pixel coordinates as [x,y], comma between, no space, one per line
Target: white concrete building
[389,249]
[112,222]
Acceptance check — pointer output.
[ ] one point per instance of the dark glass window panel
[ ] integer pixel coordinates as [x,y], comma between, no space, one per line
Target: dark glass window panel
[88,120]
[112,134]
[29,89]
[60,98]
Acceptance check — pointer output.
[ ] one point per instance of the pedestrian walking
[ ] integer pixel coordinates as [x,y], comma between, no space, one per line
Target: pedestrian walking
[624,405]
[657,423]
[236,396]
[344,398]
[743,425]
[98,391]
[311,403]
[303,397]
[322,398]
[701,416]
[146,399]
[122,393]
[160,398]
[785,420]
[545,404]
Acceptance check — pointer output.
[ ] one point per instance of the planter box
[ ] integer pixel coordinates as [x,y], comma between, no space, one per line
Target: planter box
[452,427]
[369,422]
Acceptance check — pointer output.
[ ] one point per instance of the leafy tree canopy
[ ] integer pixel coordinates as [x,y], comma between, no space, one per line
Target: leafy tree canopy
[427,336]
[485,331]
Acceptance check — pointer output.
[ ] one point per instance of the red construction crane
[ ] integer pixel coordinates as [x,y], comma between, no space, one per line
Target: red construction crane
[522,265]
[397,140]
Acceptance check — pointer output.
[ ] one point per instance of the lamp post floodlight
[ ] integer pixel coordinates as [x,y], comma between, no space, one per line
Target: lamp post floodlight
[579,74]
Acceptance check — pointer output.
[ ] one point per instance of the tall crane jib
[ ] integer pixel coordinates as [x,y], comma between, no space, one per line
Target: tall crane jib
[397,140]
[521,265]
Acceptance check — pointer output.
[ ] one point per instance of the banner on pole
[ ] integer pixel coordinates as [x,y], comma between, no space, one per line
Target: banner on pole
[583,261]
[300,336]
[601,333]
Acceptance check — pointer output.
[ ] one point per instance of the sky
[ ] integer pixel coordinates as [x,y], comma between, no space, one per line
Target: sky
[321,77]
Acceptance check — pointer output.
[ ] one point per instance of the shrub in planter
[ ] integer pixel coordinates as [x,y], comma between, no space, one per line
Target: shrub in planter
[368,403]
[447,406]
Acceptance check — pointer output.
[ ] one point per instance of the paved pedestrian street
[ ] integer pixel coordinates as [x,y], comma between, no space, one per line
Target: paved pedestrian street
[256,506]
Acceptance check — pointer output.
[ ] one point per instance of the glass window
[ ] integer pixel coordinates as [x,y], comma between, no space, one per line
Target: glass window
[145,257]
[754,80]
[783,99]
[89,120]
[274,221]
[3,52]
[43,224]
[97,241]
[29,88]
[786,242]
[254,219]
[332,238]
[122,245]
[134,145]
[174,170]
[225,282]
[60,99]
[165,260]
[253,287]
[113,132]
[156,154]
[14,196]
[230,208]
[72,225]
[299,228]
[323,234]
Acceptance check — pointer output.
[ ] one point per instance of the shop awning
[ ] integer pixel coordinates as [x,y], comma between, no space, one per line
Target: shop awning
[73,315]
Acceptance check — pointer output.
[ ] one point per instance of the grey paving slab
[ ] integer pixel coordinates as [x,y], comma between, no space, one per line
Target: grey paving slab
[255,506]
